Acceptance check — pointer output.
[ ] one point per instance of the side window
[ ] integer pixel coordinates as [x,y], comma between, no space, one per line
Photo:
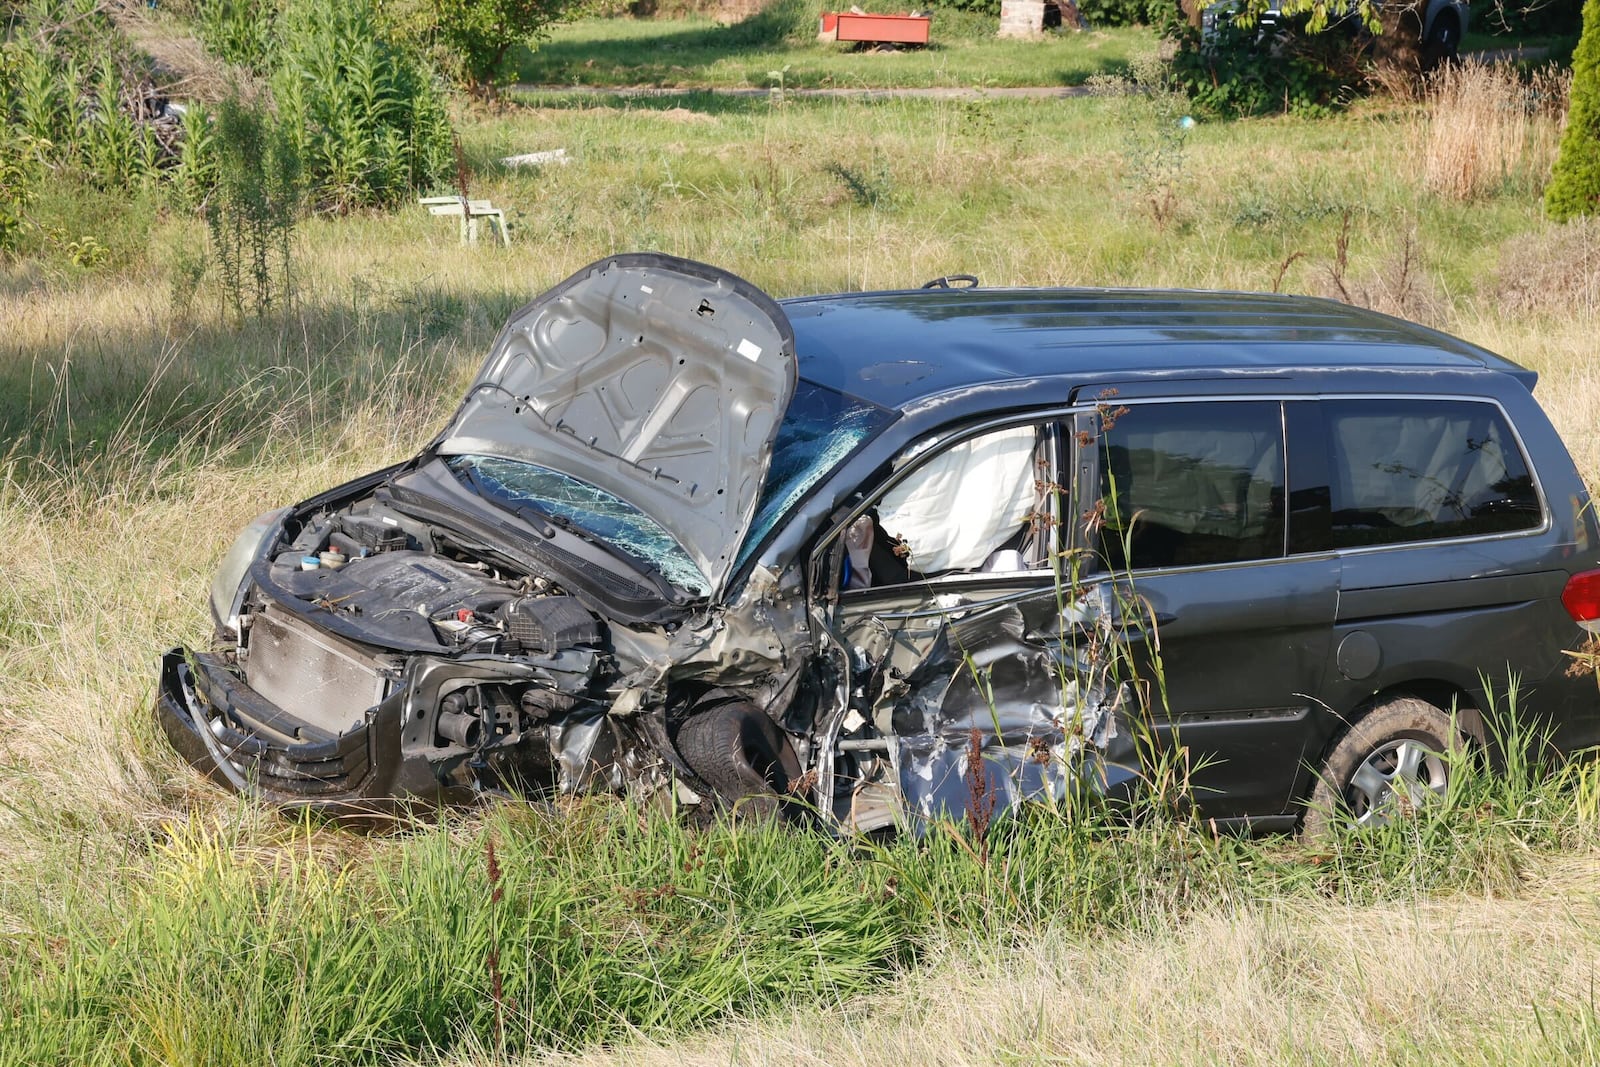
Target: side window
[974,506]
[1419,470]
[1193,483]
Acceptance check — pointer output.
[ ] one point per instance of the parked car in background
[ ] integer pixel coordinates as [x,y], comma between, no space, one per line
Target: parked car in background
[1439,25]
[853,550]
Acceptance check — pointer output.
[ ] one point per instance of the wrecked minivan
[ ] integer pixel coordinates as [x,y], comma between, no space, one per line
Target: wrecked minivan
[869,556]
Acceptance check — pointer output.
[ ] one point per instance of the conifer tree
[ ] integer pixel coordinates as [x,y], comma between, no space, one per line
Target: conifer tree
[1575,186]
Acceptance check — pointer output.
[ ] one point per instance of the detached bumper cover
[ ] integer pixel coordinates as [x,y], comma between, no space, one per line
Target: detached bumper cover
[230,732]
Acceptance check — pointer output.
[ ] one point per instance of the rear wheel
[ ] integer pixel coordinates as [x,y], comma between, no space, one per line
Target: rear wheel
[1395,759]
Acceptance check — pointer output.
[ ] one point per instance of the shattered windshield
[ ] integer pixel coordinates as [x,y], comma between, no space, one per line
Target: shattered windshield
[820,428]
[512,484]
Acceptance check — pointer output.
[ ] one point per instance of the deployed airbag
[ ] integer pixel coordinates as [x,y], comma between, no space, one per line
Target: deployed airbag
[964,503]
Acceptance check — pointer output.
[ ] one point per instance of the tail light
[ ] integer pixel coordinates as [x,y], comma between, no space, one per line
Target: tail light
[1581,598]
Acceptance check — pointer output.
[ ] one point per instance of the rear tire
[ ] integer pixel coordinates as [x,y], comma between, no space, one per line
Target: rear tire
[1395,758]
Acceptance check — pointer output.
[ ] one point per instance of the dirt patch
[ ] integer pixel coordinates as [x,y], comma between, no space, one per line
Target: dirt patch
[684,115]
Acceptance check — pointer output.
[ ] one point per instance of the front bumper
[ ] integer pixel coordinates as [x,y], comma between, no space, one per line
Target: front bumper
[231,733]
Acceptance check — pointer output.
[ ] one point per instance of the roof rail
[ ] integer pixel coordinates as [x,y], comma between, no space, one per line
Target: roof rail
[968,281]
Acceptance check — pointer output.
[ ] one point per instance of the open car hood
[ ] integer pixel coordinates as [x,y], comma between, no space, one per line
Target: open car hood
[657,379]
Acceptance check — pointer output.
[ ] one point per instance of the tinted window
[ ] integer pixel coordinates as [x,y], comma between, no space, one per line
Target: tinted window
[1192,483]
[1417,470]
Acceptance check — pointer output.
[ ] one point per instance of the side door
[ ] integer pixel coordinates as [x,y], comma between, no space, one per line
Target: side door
[943,598]
[1188,508]
[1452,563]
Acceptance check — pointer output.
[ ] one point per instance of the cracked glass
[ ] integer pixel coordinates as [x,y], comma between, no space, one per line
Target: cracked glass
[820,429]
[513,483]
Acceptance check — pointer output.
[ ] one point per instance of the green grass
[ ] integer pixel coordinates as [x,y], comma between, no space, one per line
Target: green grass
[698,53]
[237,941]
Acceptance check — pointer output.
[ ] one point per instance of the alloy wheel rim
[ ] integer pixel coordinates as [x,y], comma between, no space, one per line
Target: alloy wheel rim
[1395,780]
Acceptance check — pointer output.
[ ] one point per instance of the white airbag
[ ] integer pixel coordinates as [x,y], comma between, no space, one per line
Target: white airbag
[964,503]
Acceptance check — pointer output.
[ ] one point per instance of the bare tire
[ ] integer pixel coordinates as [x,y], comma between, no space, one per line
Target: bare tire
[742,754]
[1394,759]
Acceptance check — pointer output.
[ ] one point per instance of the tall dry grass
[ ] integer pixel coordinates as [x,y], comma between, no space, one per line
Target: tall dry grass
[1487,129]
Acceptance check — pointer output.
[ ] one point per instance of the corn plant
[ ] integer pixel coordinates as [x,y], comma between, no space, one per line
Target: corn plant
[39,91]
[196,170]
[366,117]
[240,31]
[111,143]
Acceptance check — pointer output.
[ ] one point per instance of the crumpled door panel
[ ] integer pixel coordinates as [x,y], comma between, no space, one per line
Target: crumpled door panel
[1007,688]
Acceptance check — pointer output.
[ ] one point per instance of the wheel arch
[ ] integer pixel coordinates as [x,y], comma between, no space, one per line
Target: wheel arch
[1447,696]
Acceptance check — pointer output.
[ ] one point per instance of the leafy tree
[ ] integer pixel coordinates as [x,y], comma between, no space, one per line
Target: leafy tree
[1575,186]
[479,34]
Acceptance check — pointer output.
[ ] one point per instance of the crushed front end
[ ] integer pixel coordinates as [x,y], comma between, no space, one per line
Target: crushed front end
[400,665]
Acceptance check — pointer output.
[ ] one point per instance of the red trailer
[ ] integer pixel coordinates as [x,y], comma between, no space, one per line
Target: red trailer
[875,29]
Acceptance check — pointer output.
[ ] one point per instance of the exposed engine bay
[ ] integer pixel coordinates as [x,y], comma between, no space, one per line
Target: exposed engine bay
[499,676]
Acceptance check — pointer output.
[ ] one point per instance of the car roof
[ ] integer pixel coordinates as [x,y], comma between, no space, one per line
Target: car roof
[898,348]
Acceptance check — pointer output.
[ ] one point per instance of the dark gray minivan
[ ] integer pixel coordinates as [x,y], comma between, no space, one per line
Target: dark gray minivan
[855,550]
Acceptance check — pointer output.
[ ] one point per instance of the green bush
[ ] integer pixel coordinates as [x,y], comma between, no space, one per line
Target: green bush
[367,119]
[1126,12]
[1575,184]
[980,7]
[479,35]
[1234,74]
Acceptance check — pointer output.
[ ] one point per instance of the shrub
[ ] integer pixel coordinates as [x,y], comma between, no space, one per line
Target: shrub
[1233,73]
[1554,271]
[1575,185]
[1126,12]
[252,213]
[980,7]
[479,34]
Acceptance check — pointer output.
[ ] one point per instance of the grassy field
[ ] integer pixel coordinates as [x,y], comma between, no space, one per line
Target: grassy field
[697,52]
[147,918]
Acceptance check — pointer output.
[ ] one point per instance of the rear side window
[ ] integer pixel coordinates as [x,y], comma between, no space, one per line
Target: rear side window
[1192,483]
[1421,470]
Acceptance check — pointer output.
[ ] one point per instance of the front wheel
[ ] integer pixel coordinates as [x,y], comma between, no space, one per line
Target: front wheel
[743,755]
[1392,761]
